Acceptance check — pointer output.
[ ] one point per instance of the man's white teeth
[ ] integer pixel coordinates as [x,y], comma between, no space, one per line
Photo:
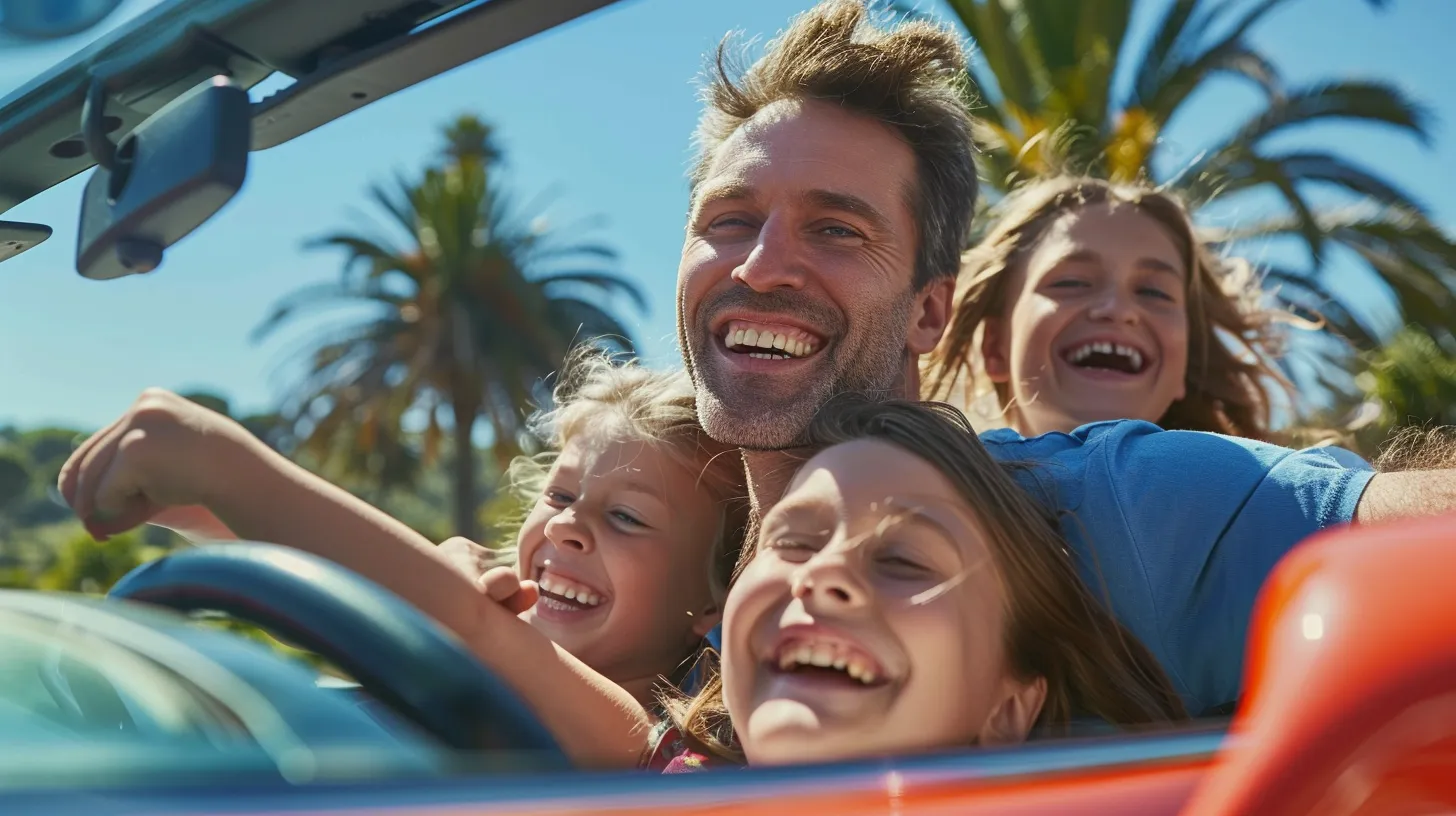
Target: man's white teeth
[827,656]
[582,596]
[753,338]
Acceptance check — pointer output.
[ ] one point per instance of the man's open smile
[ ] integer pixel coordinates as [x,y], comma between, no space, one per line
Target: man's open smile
[761,343]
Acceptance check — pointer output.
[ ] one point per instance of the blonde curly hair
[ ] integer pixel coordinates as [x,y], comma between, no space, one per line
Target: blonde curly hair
[598,393]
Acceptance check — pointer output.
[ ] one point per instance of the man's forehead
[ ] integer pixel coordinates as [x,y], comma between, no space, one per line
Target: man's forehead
[810,152]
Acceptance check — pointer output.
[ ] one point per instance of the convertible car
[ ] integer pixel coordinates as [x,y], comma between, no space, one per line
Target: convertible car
[128,704]
[125,705]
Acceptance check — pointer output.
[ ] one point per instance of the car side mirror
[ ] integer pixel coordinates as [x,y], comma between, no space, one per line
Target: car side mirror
[169,175]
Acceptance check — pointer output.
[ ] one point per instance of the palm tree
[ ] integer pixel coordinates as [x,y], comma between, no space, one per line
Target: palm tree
[1048,102]
[473,305]
[1413,381]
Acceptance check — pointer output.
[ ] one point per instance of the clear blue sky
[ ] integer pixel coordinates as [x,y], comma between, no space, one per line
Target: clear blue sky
[599,111]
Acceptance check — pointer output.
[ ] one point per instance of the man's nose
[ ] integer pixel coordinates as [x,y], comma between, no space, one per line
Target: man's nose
[774,262]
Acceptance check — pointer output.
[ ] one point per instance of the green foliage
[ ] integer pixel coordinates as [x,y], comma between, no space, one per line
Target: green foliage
[1413,380]
[15,476]
[213,402]
[72,561]
[50,447]
[30,461]
[87,565]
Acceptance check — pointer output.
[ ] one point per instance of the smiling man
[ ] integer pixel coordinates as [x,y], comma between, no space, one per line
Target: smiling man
[831,196]
[822,243]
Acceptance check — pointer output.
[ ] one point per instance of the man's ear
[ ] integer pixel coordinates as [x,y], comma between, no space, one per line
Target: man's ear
[931,317]
[995,349]
[1012,718]
[704,622]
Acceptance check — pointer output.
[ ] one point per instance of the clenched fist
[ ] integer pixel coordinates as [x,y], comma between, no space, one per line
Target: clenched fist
[166,453]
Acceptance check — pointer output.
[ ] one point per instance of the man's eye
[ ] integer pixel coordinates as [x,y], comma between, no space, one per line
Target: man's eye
[731,222]
[838,231]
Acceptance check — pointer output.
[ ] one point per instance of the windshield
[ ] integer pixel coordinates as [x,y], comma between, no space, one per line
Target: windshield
[57,686]
[25,59]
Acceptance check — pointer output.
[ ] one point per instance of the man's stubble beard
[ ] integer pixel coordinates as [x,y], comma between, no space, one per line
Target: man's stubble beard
[753,423]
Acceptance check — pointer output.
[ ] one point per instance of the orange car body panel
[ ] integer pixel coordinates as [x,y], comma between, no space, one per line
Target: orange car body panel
[1149,791]
[1351,678]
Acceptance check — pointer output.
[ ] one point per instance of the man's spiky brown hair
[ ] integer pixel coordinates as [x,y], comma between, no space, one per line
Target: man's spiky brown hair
[909,77]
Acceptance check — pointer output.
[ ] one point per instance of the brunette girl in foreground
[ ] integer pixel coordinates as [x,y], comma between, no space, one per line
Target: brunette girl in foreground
[904,596]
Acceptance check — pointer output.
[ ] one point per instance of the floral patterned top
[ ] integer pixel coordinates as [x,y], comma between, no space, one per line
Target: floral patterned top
[670,754]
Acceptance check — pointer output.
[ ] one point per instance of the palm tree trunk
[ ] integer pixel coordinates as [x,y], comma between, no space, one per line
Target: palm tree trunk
[466,412]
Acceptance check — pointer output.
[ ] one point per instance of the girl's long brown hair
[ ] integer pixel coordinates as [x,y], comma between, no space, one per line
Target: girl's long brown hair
[1055,627]
[1229,389]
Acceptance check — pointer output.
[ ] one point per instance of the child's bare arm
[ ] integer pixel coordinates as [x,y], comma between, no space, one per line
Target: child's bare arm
[169,452]
[598,723]
[195,523]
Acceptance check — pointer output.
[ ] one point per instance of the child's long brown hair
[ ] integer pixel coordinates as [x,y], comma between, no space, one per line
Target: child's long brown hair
[1055,628]
[1229,389]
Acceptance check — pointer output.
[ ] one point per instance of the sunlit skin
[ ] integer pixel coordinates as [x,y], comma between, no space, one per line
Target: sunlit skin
[1099,274]
[915,608]
[630,525]
[803,226]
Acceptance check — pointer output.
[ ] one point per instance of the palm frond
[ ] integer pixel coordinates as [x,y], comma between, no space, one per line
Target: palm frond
[1413,257]
[1358,101]
[1182,80]
[990,27]
[1327,168]
[1171,35]
[1077,48]
[604,281]
[323,295]
[396,202]
[585,322]
[1307,295]
[379,259]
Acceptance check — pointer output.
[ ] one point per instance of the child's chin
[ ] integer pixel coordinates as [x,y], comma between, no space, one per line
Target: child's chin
[790,732]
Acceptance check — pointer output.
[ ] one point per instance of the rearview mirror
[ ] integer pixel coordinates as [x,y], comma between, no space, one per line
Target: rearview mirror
[52,19]
[18,236]
[169,175]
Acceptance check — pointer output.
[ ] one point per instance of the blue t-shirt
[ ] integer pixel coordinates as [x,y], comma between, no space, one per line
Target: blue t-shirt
[1179,529]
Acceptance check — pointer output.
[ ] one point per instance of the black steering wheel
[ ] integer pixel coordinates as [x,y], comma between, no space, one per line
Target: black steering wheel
[397,654]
